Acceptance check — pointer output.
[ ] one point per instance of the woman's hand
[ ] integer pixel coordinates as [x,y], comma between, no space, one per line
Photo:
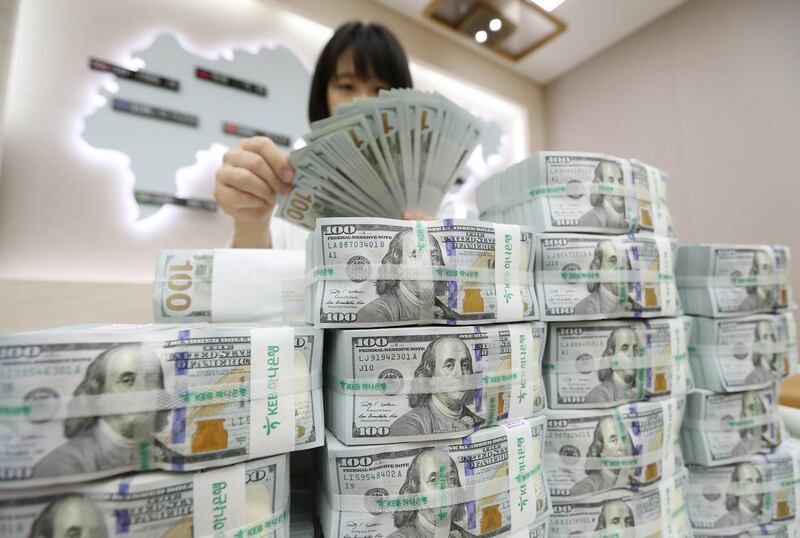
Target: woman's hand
[247,183]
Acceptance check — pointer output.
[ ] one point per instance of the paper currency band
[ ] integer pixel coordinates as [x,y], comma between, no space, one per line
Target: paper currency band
[570,190]
[742,488]
[728,281]
[438,498]
[715,350]
[429,385]
[98,405]
[261,528]
[555,276]
[426,273]
[726,425]
[615,362]
[557,461]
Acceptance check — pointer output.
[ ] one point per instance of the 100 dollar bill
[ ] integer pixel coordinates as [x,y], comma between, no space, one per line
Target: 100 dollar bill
[82,403]
[488,484]
[413,384]
[369,272]
[245,499]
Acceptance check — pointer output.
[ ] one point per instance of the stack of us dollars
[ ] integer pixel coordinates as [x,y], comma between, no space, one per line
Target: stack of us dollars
[735,354]
[721,281]
[488,484]
[87,402]
[377,157]
[654,511]
[243,499]
[561,191]
[601,364]
[425,383]
[229,285]
[737,498]
[626,447]
[371,272]
[721,428]
[590,277]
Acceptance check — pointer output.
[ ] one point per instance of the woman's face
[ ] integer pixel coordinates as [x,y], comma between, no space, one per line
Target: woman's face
[345,86]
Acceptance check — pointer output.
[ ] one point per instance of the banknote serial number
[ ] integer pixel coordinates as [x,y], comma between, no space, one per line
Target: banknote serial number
[357,243]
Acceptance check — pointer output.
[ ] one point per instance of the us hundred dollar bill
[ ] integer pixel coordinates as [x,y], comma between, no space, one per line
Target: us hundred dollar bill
[369,272]
[418,384]
[87,402]
[244,499]
[734,354]
[589,277]
[596,364]
[721,281]
[657,510]
[626,447]
[757,491]
[488,484]
[790,529]
[719,429]
[229,285]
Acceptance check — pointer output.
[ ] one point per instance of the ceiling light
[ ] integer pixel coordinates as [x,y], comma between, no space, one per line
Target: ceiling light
[481,36]
[495,25]
[548,5]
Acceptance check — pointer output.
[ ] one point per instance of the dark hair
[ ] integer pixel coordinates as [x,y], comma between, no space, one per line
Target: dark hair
[412,485]
[375,51]
[427,367]
[94,381]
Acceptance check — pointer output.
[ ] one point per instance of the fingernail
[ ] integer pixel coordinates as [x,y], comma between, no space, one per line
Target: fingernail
[286,174]
[286,190]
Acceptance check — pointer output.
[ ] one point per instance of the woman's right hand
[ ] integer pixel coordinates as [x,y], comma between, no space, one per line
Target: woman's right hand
[251,176]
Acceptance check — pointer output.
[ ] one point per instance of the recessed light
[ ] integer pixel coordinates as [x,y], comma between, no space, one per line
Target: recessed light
[481,36]
[495,25]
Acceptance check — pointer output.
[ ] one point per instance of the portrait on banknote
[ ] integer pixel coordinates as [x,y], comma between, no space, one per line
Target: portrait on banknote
[446,411]
[760,296]
[608,210]
[69,516]
[423,476]
[617,384]
[743,508]
[605,297]
[615,514]
[611,440]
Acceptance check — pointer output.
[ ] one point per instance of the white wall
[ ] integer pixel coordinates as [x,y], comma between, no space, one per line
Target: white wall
[711,94]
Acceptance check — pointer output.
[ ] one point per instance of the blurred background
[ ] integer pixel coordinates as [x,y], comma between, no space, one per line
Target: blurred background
[98,173]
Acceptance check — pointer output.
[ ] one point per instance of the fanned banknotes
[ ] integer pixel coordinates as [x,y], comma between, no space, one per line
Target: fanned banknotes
[370,272]
[563,191]
[722,281]
[655,511]
[627,447]
[599,364]
[425,383]
[731,499]
[589,277]
[379,156]
[719,429]
[228,285]
[487,484]
[735,354]
[244,499]
[86,402]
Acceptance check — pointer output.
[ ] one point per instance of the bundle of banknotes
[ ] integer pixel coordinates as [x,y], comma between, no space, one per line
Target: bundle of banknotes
[229,285]
[735,354]
[599,364]
[377,157]
[658,510]
[590,276]
[425,383]
[82,403]
[243,499]
[721,281]
[488,484]
[370,272]
[720,428]
[760,490]
[563,191]
[626,447]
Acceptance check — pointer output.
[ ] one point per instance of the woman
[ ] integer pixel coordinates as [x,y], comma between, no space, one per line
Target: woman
[358,61]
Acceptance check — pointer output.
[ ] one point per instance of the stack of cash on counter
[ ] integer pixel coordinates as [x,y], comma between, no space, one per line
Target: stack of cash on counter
[435,430]
[156,430]
[616,380]
[742,477]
